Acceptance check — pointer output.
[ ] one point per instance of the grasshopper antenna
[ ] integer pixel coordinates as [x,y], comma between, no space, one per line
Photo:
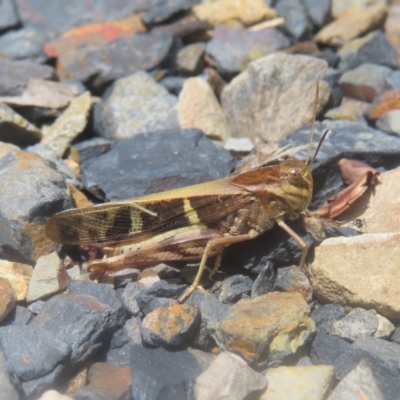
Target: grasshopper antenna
[313,122]
[319,146]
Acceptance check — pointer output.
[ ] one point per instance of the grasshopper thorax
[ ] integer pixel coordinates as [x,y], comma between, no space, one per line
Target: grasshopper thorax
[297,183]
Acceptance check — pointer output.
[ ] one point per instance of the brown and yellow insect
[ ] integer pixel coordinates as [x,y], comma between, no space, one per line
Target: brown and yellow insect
[190,223]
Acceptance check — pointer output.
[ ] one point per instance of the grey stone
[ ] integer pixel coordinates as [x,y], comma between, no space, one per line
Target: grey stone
[324,316]
[265,281]
[318,12]
[37,191]
[135,104]
[372,48]
[262,102]
[396,336]
[233,288]
[8,14]
[390,122]
[384,358]
[16,129]
[358,381]
[159,371]
[358,323]
[128,297]
[190,60]
[393,80]
[7,388]
[232,49]
[91,148]
[292,279]
[125,276]
[365,82]
[166,271]
[239,145]
[164,10]
[326,349]
[23,43]
[173,84]
[166,160]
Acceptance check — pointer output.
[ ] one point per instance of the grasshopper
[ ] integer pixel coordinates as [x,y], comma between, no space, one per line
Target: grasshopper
[191,223]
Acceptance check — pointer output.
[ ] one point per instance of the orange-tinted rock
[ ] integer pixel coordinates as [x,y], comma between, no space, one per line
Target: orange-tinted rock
[170,325]
[388,102]
[350,109]
[94,34]
[18,275]
[7,298]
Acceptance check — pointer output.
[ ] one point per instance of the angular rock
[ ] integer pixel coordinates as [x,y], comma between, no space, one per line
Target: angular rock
[387,102]
[365,82]
[18,275]
[233,49]
[358,323]
[102,64]
[372,48]
[43,18]
[250,100]
[265,281]
[292,279]
[190,59]
[7,298]
[23,44]
[93,34]
[135,104]
[339,7]
[106,382]
[199,108]
[358,21]
[339,264]
[248,12]
[384,360]
[183,158]
[16,129]
[15,75]
[239,146]
[164,10]
[259,329]
[349,109]
[173,84]
[171,325]
[49,277]
[234,288]
[8,14]
[324,316]
[393,80]
[319,12]
[326,349]
[228,377]
[309,382]
[157,371]
[91,148]
[31,192]
[125,276]
[296,24]
[390,122]
[396,336]
[358,382]
[385,328]
[69,125]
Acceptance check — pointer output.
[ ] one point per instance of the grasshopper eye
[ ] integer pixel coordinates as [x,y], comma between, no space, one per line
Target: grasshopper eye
[295,176]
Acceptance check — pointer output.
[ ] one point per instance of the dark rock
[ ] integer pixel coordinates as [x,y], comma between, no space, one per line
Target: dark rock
[274,246]
[184,27]
[18,316]
[8,14]
[171,325]
[233,288]
[33,352]
[365,82]
[318,12]
[372,48]
[356,324]
[15,129]
[296,20]
[125,276]
[132,290]
[135,104]
[348,139]
[190,270]
[31,192]
[147,304]
[15,75]
[166,271]
[292,279]
[233,49]
[23,43]
[335,231]
[53,21]
[212,310]
[34,387]
[166,9]
[98,65]
[166,159]
[384,358]
[163,289]
[326,349]
[36,307]
[59,165]
[389,122]
[133,328]
[265,280]
[396,336]
[324,316]
[173,84]
[332,78]
[82,321]
[91,148]
[393,80]
[8,383]
[161,374]
[190,60]
[330,56]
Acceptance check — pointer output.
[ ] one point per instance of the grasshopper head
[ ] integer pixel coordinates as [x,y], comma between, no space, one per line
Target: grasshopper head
[297,183]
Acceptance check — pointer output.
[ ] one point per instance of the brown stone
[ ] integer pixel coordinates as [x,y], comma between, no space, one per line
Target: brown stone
[7,298]
[349,109]
[360,271]
[339,7]
[269,327]
[18,275]
[388,102]
[356,21]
